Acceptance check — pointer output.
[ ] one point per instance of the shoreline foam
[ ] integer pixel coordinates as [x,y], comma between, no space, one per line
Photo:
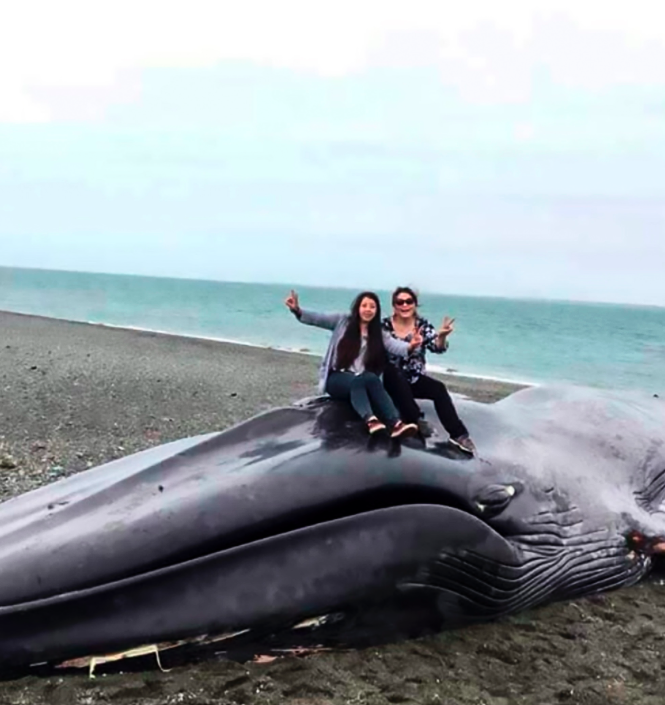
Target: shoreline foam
[436,369]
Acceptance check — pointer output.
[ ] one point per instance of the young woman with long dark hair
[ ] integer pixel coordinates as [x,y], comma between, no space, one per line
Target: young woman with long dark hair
[356,357]
[405,379]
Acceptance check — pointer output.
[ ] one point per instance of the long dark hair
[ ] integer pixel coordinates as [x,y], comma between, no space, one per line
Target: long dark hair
[349,345]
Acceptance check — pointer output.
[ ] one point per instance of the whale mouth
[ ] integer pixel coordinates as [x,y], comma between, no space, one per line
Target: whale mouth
[331,621]
[349,507]
[339,564]
[214,494]
[230,525]
[488,502]
[352,506]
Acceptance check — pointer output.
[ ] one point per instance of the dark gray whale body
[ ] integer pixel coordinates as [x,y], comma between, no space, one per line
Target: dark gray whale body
[293,529]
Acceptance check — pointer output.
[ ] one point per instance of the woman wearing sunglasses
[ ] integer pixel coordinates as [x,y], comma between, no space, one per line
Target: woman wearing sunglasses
[405,379]
[356,357]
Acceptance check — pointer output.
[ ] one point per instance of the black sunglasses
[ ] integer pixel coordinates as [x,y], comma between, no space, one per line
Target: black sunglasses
[402,302]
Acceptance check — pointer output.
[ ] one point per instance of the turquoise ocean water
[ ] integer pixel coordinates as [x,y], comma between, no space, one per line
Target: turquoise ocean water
[601,345]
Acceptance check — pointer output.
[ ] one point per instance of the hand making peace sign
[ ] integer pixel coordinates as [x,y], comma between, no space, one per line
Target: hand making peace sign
[292,302]
[447,326]
[416,340]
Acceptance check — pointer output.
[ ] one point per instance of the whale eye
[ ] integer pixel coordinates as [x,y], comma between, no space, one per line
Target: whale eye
[493,499]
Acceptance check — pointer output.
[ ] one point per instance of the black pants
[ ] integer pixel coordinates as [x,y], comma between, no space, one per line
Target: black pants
[405,393]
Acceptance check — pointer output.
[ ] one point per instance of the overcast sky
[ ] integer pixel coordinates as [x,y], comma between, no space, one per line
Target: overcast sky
[480,147]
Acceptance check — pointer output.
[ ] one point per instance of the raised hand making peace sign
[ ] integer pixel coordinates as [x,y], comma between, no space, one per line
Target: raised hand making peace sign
[447,326]
[292,302]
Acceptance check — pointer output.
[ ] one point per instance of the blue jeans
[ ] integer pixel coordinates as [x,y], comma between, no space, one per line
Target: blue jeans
[366,394]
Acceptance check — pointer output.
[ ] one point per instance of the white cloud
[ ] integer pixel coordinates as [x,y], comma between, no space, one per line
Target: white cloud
[489,51]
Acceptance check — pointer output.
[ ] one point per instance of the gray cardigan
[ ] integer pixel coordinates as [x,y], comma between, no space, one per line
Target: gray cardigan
[337,322]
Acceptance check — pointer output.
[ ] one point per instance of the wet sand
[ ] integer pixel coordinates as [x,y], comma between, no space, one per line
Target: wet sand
[75,395]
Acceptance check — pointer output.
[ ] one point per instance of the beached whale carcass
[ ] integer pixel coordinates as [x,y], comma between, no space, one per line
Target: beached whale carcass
[294,529]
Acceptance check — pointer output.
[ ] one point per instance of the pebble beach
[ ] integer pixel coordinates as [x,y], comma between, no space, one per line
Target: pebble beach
[76,395]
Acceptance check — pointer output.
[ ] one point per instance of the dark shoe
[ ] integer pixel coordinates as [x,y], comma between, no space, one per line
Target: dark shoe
[404,430]
[425,428]
[464,443]
[375,426]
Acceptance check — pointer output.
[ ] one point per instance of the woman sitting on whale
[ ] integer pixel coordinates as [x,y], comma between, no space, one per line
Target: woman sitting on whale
[356,357]
[405,378]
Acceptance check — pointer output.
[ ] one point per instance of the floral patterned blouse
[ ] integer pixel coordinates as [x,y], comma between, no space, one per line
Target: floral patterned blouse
[414,364]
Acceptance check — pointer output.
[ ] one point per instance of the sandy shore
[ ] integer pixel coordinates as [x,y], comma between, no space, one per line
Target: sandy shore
[75,395]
